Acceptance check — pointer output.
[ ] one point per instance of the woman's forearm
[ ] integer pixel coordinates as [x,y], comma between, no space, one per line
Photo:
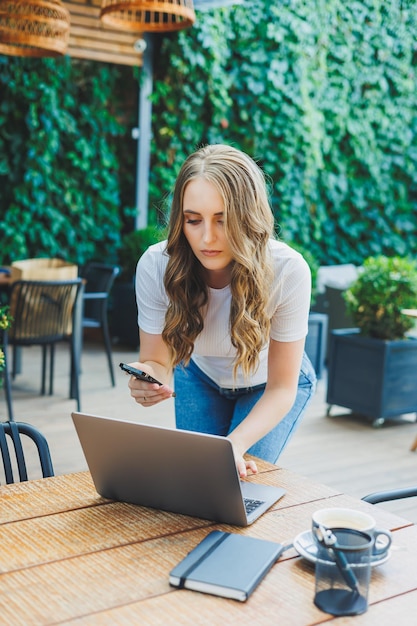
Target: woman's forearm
[265,415]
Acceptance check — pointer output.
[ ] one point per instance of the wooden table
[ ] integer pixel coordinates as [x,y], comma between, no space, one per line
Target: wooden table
[70,556]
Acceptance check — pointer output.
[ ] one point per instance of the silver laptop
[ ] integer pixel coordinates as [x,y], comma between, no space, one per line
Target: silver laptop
[170,469]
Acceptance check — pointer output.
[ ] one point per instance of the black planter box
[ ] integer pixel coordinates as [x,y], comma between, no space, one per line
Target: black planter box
[374,377]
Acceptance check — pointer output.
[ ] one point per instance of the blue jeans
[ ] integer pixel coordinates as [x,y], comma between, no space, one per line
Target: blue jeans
[202,406]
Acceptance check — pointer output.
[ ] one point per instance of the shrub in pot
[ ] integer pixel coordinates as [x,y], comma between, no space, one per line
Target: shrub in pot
[372,367]
[384,288]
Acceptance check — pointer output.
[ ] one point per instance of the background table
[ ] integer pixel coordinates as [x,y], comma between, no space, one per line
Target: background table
[68,554]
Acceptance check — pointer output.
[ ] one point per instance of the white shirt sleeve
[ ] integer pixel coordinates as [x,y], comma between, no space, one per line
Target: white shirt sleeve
[291,294]
[151,297]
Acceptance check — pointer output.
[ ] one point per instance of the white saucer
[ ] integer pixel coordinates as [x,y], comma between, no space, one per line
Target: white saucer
[306,547]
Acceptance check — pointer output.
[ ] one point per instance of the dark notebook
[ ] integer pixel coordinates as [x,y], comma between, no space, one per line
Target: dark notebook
[226,564]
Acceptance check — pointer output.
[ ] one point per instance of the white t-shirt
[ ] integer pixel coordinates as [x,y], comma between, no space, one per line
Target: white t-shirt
[289,305]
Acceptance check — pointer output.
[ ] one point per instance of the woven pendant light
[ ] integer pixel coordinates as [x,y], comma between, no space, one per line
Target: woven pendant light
[36,28]
[148,15]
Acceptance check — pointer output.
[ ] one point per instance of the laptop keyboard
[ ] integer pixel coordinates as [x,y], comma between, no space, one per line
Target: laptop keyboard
[251,505]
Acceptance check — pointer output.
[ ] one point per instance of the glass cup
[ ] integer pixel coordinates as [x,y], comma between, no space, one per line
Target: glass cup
[343,571]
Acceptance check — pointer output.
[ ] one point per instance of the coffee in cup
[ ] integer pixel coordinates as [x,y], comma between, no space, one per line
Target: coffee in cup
[356,520]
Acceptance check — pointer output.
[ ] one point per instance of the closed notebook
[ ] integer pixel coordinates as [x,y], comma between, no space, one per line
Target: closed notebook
[226,564]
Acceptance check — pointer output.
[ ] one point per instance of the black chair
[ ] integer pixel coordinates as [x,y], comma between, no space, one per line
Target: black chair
[11,442]
[45,313]
[389,495]
[99,279]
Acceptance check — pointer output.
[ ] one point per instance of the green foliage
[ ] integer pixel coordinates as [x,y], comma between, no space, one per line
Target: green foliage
[5,317]
[375,300]
[134,245]
[322,94]
[59,159]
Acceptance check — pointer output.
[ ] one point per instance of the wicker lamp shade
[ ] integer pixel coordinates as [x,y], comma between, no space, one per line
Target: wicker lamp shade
[36,28]
[148,15]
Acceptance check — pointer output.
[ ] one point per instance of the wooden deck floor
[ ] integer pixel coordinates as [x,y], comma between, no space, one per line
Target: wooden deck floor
[342,451]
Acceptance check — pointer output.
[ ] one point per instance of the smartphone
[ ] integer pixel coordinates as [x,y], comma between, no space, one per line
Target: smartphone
[139,374]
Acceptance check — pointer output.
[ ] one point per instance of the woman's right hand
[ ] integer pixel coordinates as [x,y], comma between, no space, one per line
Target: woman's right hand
[148,394]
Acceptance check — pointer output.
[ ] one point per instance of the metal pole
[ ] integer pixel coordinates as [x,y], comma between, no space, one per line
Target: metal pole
[144,135]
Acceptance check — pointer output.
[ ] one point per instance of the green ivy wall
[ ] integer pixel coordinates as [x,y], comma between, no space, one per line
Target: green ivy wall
[65,158]
[322,93]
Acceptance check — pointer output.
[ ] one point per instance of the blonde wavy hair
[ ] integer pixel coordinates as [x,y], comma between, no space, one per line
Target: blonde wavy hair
[248,224]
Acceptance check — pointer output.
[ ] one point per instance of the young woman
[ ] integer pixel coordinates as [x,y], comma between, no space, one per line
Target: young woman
[225,306]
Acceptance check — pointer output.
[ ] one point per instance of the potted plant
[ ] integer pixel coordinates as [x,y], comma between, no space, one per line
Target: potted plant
[124,322]
[372,367]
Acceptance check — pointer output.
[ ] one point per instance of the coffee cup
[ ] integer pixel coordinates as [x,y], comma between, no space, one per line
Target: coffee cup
[356,520]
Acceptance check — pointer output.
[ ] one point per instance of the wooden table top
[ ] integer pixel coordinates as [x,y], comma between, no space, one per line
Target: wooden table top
[69,556]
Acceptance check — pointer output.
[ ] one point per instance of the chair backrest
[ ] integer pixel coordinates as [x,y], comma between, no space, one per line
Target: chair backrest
[392,494]
[99,279]
[42,311]
[13,454]
[99,276]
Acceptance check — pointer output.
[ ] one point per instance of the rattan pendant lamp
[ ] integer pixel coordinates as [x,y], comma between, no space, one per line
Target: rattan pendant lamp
[33,28]
[155,16]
